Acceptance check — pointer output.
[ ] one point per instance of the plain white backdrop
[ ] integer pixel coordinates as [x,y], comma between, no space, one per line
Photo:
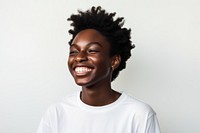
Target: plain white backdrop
[164,70]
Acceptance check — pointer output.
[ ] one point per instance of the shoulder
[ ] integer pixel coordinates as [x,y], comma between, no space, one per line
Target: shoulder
[137,107]
[66,102]
[142,115]
[55,112]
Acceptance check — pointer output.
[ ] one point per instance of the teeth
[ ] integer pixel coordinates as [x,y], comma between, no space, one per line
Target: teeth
[82,69]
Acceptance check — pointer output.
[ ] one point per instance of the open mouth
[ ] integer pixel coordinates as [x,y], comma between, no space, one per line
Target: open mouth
[82,70]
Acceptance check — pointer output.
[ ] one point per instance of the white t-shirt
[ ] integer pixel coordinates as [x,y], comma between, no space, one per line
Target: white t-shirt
[125,115]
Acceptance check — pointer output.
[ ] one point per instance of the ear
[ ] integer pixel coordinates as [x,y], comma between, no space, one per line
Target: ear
[116,60]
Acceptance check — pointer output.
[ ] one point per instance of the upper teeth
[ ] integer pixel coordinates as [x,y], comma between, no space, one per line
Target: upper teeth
[82,69]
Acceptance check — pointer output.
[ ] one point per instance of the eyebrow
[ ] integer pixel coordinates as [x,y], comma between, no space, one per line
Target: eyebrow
[91,43]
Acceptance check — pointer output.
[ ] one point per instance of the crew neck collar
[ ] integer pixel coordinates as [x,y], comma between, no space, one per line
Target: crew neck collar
[100,108]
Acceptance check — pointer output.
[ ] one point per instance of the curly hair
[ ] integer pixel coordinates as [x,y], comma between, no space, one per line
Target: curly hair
[98,19]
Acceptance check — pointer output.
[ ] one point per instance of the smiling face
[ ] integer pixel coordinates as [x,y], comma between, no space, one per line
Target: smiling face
[89,60]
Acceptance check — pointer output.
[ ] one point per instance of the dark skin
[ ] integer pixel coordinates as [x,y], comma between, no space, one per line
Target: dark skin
[91,66]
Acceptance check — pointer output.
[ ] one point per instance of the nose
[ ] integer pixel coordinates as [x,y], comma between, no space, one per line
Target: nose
[81,56]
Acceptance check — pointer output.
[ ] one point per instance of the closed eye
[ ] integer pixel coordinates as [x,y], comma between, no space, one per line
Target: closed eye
[73,52]
[93,51]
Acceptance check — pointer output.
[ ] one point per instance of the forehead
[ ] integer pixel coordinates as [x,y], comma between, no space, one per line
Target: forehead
[88,36]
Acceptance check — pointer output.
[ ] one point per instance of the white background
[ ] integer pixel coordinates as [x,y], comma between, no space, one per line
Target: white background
[164,70]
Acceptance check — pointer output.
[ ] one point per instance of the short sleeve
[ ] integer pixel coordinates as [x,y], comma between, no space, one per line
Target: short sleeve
[48,121]
[152,125]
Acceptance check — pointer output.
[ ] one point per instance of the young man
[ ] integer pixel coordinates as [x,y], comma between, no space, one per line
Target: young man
[99,49]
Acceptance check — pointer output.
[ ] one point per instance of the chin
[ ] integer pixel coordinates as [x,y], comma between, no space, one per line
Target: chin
[86,84]
[82,83]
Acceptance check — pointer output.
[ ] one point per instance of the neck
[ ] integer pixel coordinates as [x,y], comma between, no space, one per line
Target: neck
[99,96]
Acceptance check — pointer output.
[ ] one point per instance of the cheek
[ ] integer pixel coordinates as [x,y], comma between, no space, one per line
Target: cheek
[102,63]
[69,62]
